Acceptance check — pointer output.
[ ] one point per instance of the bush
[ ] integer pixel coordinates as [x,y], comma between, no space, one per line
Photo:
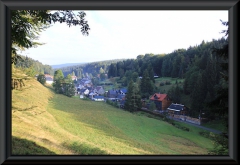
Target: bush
[152,106]
[168,82]
[207,134]
[41,78]
[161,83]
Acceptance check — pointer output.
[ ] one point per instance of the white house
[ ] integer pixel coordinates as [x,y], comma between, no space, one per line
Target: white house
[86,92]
[49,79]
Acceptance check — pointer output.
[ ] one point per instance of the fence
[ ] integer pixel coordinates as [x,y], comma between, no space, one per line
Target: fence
[188,119]
[181,117]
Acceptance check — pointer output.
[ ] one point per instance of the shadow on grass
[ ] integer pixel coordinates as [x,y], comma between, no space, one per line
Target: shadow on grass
[84,149]
[49,87]
[27,147]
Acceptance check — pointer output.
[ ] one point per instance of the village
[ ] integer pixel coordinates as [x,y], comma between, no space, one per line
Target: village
[84,88]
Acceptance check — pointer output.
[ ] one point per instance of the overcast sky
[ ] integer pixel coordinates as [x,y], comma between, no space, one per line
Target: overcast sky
[127,34]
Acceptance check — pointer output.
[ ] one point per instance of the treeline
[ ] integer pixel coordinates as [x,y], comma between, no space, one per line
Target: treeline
[33,67]
[90,69]
[200,66]
[174,64]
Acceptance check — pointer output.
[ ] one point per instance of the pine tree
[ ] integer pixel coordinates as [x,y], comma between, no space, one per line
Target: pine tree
[73,73]
[150,72]
[133,97]
[220,103]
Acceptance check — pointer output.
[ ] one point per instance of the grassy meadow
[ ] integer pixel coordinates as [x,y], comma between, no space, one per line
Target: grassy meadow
[165,87]
[46,123]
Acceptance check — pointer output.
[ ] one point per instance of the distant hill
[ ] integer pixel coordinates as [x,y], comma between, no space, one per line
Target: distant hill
[66,65]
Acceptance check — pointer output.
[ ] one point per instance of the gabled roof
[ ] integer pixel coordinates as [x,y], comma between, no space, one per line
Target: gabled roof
[98,88]
[48,75]
[112,92]
[176,107]
[158,97]
[92,93]
[124,90]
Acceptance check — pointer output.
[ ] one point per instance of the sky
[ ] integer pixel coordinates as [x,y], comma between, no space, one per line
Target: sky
[127,34]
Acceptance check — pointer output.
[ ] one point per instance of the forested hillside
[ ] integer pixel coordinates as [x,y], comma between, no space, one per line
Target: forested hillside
[199,65]
[89,69]
[33,66]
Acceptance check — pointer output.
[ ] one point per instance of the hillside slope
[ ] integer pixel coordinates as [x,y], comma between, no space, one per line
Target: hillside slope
[48,123]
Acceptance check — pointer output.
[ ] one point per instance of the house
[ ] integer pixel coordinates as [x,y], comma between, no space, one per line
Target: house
[80,86]
[92,94]
[112,93]
[49,79]
[120,97]
[98,98]
[162,101]
[177,109]
[74,78]
[122,91]
[99,90]
[84,91]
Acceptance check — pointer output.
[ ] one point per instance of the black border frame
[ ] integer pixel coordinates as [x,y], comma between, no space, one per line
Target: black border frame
[5,76]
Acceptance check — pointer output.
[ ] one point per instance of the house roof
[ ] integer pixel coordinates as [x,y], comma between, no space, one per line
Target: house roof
[176,107]
[48,75]
[158,97]
[98,97]
[83,90]
[98,88]
[112,92]
[92,93]
[74,77]
[124,90]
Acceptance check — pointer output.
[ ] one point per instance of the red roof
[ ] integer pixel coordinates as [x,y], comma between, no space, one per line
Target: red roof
[48,75]
[158,97]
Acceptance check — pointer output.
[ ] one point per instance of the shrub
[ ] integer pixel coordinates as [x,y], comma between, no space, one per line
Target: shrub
[168,82]
[41,78]
[161,83]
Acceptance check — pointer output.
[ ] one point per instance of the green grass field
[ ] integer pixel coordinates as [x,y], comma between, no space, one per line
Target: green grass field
[50,123]
[165,88]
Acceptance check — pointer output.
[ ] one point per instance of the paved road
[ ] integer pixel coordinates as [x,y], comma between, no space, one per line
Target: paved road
[199,126]
[196,125]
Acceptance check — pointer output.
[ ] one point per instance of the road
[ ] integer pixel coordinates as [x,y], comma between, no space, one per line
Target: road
[179,120]
[199,126]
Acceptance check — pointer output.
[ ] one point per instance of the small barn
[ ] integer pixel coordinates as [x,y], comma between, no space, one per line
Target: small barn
[162,101]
